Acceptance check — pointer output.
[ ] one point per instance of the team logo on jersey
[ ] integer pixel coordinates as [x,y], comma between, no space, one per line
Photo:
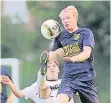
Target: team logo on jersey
[54,87]
[76,36]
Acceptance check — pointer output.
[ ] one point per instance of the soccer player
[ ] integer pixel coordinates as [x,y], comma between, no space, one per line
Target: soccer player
[46,87]
[3,90]
[75,45]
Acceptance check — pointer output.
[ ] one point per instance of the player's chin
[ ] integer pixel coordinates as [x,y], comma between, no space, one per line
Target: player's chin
[52,74]
[67,28]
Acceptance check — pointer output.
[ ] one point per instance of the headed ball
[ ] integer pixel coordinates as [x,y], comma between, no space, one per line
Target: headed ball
[50,29]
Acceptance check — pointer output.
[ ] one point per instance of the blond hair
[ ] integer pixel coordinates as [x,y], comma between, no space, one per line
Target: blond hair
[70,9]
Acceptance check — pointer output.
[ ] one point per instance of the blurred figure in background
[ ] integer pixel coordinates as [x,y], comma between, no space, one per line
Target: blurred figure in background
[46,87]
[3,89]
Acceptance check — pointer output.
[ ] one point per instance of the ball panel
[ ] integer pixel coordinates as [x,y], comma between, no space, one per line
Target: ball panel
[45,32]
[50,29]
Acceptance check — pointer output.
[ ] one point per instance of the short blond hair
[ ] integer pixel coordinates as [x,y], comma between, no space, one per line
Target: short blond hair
[71,9]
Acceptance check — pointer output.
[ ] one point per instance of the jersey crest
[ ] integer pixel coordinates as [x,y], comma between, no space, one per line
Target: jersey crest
[76,36]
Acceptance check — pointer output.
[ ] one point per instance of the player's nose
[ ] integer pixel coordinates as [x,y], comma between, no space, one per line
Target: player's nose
[65,21]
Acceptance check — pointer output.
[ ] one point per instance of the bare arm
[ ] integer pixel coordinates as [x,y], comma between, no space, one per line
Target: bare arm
[10,98]
[16,92]
[53,55]
[84,55]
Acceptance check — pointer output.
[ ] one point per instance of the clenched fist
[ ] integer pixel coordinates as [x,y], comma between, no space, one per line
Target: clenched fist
[6,80]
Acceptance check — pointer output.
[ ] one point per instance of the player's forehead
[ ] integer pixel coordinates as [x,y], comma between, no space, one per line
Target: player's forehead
[70,10]
[65,13]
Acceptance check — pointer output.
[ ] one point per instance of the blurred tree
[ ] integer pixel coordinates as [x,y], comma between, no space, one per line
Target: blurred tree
[15,39]
[42,9]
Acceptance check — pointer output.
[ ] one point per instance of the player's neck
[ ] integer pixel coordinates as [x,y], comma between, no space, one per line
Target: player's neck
[52,79]
[73,29]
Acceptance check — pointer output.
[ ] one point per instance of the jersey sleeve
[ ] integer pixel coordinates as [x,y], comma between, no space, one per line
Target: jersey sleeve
[89,39]
[56,45]
[31,91]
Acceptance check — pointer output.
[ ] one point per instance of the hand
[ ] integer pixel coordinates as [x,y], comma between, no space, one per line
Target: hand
[60,52]
[68,59]
[6,80]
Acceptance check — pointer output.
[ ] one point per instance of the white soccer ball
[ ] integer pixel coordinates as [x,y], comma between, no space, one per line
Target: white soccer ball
[50,29]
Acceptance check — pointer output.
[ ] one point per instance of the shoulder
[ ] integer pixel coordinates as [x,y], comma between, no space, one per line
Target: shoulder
[30,91]
[32,87]
[62,34]
[34,84]
[86,32]
[63,31]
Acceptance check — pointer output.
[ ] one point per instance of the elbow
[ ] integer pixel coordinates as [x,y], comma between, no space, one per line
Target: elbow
[87,55]
[87,52]
[19,95]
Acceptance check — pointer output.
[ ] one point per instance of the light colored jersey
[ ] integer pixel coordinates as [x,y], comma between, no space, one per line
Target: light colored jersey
[32,92]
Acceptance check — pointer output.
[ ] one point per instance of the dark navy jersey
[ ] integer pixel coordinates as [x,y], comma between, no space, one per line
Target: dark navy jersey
[73,44]
[3,90]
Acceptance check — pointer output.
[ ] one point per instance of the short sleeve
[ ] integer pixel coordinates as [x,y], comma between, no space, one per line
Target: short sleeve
[88,39]
[30,92]
[56,45]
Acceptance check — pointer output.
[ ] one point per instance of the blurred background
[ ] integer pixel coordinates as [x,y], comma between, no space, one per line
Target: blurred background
[21,37]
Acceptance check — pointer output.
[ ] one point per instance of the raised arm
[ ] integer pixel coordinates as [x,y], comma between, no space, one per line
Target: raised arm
[10,98]
[56,50]
[82,56]
[16,92]
[53,55]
